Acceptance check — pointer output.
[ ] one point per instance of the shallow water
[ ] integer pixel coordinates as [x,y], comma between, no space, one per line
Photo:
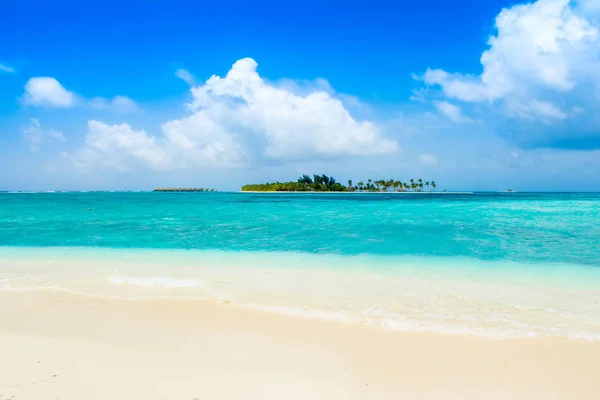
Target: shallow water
[497,265]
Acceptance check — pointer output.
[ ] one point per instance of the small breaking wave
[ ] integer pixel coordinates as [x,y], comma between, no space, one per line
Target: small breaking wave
[155,282]
[167,283]
[449,296]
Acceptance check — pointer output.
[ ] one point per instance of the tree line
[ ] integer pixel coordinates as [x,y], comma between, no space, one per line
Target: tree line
[324,183]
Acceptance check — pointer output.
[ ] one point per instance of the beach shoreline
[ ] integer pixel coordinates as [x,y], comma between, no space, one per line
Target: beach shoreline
[497,300]
[60,345]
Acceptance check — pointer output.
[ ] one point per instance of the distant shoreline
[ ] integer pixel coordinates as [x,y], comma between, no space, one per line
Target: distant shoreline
[309,192]
[183,190]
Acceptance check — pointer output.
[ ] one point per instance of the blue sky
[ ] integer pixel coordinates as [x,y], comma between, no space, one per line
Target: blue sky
[476,95]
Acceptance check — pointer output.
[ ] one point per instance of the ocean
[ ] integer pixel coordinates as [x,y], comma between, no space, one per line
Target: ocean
[499,265]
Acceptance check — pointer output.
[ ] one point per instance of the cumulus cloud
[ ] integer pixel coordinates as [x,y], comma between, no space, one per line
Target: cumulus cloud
[197,140]
[236,119]
[427,159]
[47,92]
[37,136]
[541,45]
[541,66]
[6,68]
[120,104]
[120,147]
[293,125]
[186,76]
[451,111]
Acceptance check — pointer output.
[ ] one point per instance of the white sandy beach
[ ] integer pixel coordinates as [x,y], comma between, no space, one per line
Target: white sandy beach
[63,346]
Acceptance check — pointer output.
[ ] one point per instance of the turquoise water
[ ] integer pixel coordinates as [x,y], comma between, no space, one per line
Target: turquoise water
[495,265]
[517,227]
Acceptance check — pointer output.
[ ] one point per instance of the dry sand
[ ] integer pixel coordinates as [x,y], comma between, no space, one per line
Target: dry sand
[62,346]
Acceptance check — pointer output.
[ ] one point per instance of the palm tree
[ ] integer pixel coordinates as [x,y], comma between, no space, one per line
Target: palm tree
[427,185]
[412,184]
[389,184]
[420,185]
[350,184]
[433,185]
[360,186]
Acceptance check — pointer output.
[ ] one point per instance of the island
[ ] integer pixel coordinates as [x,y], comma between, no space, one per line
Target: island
[324,183]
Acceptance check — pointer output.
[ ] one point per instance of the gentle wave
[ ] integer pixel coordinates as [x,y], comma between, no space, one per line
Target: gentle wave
[370,317]
[154,282]
[452,296]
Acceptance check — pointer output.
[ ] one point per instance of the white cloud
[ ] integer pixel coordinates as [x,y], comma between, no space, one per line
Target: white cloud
[48,92]
[542,51]
[536,109]
[120,104]
[186,76]
[199,141]
[182,145]
[293,125]
[6,68]
[235,120]
[120,147]
[36,135]
[427,159]
[451,111]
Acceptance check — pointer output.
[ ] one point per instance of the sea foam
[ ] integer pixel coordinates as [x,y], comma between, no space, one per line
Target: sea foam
[154,282]
[416,294]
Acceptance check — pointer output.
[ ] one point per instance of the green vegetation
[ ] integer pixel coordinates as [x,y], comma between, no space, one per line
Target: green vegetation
[324,183]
